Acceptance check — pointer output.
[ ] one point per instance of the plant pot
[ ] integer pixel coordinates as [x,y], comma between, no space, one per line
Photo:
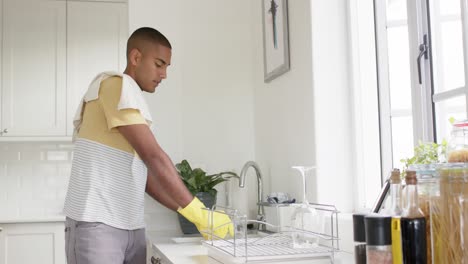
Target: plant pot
[187,227]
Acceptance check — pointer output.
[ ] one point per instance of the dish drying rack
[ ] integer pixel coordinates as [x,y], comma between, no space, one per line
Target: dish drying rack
[244,247]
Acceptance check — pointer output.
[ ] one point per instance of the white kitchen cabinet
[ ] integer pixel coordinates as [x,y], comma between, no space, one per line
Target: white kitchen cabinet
[157,256]
[39,243]
[49,52]
[33,68]
[96,43]
[158,259]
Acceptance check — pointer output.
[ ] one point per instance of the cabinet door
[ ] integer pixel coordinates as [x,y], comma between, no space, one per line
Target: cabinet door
[157,258]
[41,243]
[33,68]
[96,43]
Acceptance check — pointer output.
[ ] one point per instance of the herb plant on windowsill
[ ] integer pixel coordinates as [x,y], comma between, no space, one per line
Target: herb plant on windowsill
[426,153]
[202,186]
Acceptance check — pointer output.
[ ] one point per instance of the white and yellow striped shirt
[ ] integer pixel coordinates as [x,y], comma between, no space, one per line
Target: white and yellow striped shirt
[108,178]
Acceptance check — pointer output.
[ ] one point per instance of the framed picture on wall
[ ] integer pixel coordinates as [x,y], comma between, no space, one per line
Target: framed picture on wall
[275,38]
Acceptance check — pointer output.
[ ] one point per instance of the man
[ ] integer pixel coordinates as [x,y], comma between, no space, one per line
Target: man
[117,158]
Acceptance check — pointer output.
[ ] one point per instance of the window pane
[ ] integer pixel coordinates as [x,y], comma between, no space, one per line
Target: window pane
[402,139]
[447,52]
[449,7]
[452,52]
[399,68]
[454,107]
[396,10]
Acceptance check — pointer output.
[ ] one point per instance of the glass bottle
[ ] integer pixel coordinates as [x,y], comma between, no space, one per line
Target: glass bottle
[359,233]
[413,224]
[428,189]
[395,194]
[395,211]
[378,239]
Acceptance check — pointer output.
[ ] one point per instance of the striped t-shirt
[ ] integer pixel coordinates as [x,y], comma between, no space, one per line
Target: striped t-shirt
[108,179]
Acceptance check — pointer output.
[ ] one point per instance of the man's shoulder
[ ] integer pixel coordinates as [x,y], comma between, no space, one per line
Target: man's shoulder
[112,81]
[111,85]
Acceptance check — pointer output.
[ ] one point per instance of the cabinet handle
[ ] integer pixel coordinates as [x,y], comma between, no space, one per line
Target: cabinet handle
[155,260]
[4,131]
[1,229]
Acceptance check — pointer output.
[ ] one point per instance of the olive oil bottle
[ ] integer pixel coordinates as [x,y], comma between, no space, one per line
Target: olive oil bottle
[395,212]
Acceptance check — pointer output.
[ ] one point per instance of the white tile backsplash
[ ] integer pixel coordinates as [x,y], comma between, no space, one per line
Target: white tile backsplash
[33,179]
[62,193]
[57,155]
[31,155]
[9,210]
[10,181]
[8,155]
[3,195]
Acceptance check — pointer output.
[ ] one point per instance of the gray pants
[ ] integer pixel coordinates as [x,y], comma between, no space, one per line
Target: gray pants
[98,243]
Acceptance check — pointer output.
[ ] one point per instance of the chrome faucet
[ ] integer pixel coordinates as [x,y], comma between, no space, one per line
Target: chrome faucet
[243,173]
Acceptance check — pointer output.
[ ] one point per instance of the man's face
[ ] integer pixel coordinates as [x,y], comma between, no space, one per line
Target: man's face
[152,66]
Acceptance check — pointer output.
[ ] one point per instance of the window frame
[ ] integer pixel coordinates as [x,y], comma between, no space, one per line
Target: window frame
[424,98]
[365,103]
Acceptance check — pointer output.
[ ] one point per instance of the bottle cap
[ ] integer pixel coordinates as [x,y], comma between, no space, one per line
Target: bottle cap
[411,177]
[359,228]
[395,177]
[378,230]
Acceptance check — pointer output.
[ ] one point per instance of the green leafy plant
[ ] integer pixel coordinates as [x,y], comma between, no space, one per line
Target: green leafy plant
[426,153]
[196,180]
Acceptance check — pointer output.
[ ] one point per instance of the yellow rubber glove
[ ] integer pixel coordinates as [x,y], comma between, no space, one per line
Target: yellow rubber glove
[222,224]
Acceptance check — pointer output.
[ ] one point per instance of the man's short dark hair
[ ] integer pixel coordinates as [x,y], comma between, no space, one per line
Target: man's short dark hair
[146,34]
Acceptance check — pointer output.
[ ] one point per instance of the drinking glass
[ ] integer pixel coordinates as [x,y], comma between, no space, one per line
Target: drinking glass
[305,221]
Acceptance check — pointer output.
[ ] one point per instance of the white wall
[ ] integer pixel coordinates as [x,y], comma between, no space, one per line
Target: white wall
[302,117]
[284,107]
[333,102]
[219,113]
[204,110]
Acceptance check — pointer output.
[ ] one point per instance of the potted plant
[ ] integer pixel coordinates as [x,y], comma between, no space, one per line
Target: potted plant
[202,186]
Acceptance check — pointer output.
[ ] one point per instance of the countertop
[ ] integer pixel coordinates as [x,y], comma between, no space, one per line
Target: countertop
[195,253]
[38,219]
[169,251]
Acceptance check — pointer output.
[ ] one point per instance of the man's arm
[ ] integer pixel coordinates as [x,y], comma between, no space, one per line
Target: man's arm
[159,194]
[158,163]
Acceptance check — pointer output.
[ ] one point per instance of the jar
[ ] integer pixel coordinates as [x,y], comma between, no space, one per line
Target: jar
[359,233]
[378,239]
[449,215]
[457,149]
[428,188]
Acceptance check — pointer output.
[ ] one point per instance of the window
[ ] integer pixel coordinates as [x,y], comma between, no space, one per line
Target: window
[415,100]
[421,72]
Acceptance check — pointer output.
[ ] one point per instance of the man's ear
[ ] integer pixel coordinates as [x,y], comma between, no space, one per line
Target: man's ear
[135,56]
